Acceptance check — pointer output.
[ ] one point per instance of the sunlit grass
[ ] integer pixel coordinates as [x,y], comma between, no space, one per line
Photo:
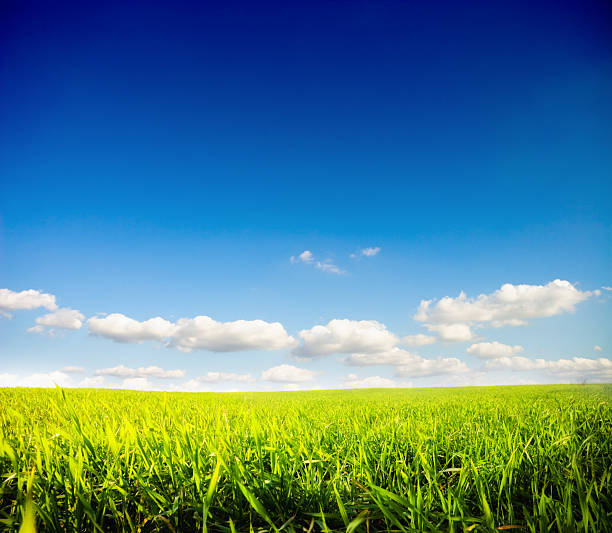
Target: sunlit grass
[478,459]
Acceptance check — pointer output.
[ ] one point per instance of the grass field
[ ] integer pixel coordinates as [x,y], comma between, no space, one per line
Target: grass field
[475,459]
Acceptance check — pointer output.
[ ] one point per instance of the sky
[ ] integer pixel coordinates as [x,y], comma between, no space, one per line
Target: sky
[278,196]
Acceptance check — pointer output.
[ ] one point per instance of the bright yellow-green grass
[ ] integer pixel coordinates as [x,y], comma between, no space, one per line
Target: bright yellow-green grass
[475,459]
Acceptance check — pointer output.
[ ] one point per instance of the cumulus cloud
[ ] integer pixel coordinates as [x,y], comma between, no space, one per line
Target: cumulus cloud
[288,373]
[576,367]
[218,377]
[25,300]
[418,340]
[204,333]
[326,265]
[597,348]
[92,382]
[122,371]
[44,380]
[137,384]
[493,350]
[509,305]
[121,328]
[605,288]
[346,336]
[394,356]
[421,367]
[198,333]
[371,382]
[452,332]
[65,318]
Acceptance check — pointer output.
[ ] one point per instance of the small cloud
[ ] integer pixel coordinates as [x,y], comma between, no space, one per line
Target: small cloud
[597,348]
[493,350]
[326,265]
[366,252]
[371,382]
[305,257]
[142,372]
[288,374]
[218,377]
[25,300]
[62,318]
[605,288]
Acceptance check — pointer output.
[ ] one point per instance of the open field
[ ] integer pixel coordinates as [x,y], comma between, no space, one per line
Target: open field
[474,459]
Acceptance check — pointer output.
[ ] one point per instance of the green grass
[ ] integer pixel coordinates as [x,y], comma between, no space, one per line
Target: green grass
[474,459]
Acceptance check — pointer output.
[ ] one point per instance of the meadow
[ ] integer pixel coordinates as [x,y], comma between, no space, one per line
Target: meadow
[525,458]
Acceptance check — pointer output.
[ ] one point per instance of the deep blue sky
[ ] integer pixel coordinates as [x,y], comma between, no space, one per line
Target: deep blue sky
[167,160]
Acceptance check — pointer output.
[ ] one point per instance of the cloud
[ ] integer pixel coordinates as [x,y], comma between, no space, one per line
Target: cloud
[92,383]
[597,348]
[605,288]
[493,350]
[420,367]
[409,364]
[509,305]
[452,332]
[288,373]
[417,340]
[62,318]
[198,333]
[218,377]
[394,356]
[576,367]
[367,252]
[71,369]
[137,384]
[204,333]
[121,328]
[326,266]
[371,382]
[346,336]
[25,300]
[305,257]
[142,372]
[45,380]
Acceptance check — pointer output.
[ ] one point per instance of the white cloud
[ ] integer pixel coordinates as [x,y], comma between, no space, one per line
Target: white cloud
[605,288]
[452,332]
[121,328]
[420,367]
[305,257]
[218,377]
[597,348]
[346,336]
[326,266]
[198,333]
[576,367]
[72,369]
[371,382]
[288,373]
[509,305]
[92,383]
[8,380]
[45,380]
[418,340]
[493,350]
[394,356]
[204,333]
[142,372]
[24,300]
[137,384]
[62,318]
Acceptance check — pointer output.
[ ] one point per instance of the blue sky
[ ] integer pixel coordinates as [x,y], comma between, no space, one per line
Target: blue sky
[160,161]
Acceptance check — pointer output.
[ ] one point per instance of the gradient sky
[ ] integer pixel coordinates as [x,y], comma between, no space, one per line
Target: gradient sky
[170,160]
